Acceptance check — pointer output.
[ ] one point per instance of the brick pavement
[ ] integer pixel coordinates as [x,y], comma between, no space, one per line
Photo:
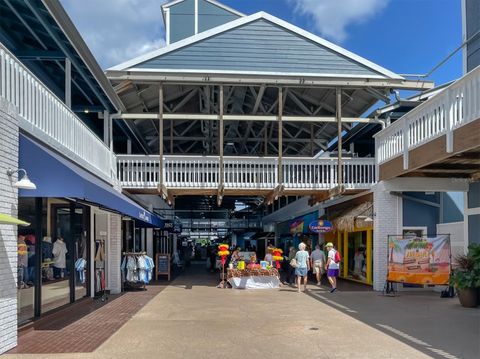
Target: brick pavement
[84,326]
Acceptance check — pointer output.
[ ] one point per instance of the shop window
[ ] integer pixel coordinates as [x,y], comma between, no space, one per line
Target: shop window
[357,256]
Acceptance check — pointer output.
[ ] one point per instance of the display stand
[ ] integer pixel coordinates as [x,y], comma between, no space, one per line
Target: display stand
[134,285]
[162,265]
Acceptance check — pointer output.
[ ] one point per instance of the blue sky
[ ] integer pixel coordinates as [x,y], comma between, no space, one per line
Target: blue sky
[405,36]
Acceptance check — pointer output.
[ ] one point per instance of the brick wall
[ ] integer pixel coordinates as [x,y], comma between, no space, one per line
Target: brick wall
[387,222]
[114,254]
[8,233]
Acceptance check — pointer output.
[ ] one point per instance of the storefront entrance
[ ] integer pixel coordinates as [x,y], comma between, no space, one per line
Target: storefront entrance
[52,255]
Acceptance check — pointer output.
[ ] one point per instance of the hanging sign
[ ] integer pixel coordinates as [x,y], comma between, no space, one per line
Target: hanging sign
[320,226]
[419,260]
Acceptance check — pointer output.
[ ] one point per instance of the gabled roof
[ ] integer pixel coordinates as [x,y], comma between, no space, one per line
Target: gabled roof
[292,39]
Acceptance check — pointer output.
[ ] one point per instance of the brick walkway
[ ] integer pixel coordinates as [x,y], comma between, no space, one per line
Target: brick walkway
[84,326]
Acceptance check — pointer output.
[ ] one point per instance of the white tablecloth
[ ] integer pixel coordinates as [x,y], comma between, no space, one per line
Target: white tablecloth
[254,282]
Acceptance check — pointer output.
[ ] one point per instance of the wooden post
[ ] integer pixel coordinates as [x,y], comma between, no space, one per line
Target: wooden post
[266,139]
[345,254]
[280,136]
[339,134]
[160,135]
[171,137]
[312,136]
[220,146]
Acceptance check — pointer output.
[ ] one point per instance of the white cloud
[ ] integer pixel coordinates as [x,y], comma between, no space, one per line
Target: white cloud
[118,30]
[332,17]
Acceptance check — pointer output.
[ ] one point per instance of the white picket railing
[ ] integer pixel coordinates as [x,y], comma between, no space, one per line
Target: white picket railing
[455,106]
[45,116]
[203,172]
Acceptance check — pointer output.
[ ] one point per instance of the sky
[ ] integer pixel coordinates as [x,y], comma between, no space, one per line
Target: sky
[404,36]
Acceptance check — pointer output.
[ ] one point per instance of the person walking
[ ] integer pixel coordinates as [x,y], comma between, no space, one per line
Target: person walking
[332,266]
[318,263]
[303,266]
[290,270]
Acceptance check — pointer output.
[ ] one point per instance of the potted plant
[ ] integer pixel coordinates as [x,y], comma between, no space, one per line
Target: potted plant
[466,276]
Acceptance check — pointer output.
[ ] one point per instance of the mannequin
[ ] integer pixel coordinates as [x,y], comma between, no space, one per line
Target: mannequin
[59,252]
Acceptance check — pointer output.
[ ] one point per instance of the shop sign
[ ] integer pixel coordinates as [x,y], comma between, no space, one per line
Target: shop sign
[320,226]
[419,260]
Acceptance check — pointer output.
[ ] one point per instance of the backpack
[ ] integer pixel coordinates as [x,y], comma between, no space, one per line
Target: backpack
[338,258]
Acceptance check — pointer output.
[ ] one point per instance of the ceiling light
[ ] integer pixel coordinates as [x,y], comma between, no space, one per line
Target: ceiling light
[24,182]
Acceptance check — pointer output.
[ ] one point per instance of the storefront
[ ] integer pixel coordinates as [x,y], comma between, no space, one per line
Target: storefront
[73,247]
[293,232]
[353,238]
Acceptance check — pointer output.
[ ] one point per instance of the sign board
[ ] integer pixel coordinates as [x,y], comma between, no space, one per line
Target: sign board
[162,265]
[419,259]
[320,226]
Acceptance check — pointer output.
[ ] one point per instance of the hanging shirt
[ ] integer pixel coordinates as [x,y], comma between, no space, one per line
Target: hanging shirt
[59,252]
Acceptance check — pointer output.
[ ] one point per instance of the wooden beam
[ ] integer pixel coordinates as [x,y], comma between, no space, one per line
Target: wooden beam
[280,136]
[220,147]
[338,93]
[160,137]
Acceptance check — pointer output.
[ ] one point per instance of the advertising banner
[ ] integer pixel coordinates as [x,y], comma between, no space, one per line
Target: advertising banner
[419,260]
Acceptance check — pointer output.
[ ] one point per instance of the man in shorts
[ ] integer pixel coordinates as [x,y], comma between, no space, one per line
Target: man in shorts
[332,267]
[318,263]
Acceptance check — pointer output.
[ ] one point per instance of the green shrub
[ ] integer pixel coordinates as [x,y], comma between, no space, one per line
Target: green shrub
[466,272]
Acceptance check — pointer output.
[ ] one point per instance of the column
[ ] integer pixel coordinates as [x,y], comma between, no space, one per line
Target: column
[280,135]
[220,145]
[339,134]
[8,233]
[114,255]
[160,136]
[68,82]
[345,254]
[387,221]
[369,255]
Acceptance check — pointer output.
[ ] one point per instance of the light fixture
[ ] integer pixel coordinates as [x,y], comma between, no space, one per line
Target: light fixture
[24,182]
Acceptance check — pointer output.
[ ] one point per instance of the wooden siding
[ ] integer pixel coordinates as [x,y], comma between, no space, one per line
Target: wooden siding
[259,46]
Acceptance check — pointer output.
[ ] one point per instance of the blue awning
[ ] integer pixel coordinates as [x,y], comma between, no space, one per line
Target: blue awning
[55,176]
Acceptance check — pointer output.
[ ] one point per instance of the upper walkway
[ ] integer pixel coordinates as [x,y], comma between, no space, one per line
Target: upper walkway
[47,118]
[424,141]
[242,175]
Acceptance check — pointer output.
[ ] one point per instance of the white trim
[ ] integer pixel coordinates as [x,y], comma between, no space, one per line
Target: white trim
[196,17]
[213,2]
[167,26]
[235,72]
[126,66]
[464,36]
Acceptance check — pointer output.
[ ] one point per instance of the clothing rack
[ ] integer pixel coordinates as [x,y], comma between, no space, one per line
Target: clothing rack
[135,282]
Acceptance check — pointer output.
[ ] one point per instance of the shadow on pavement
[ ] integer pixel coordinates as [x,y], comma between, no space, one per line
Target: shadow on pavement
[438,327]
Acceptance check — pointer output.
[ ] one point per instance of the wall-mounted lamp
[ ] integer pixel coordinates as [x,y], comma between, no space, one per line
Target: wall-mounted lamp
[365,218]
[24,182]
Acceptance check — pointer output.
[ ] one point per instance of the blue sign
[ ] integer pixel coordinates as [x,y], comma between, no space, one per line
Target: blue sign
[320,226]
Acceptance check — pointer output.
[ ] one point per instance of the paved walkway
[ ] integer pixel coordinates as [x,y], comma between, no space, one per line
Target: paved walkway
[192,319]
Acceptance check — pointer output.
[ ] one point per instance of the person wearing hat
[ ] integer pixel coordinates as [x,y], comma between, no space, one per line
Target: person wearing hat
[332,267]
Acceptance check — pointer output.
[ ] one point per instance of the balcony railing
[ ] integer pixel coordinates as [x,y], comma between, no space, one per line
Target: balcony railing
[455,106]
[252,173]
[46,117]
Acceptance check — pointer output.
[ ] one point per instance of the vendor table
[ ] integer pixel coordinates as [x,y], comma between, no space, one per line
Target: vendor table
[253,278]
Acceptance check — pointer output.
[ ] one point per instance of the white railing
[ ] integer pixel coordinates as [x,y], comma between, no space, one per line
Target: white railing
[203,172]
[455,106]
[46,117]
